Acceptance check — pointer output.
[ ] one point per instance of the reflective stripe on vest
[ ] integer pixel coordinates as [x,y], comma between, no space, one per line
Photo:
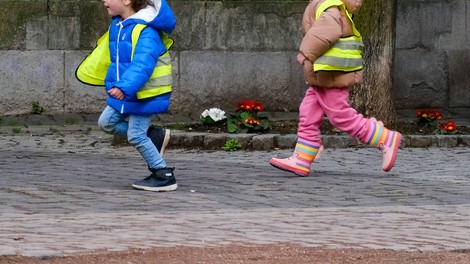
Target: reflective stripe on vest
[346,54]
[161,80]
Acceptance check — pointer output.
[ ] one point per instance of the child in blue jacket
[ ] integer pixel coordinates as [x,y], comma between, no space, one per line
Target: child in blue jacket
[133,62]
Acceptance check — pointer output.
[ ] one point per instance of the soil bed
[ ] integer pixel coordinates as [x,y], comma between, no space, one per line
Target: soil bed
[290,127]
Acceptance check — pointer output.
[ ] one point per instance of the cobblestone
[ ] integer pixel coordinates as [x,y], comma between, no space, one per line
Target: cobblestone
[68,192]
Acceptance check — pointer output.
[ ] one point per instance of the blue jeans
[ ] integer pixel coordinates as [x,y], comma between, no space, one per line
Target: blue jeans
[134,128]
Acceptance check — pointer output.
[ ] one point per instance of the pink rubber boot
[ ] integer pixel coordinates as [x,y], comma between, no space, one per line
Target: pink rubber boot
[299,163]
[387,140]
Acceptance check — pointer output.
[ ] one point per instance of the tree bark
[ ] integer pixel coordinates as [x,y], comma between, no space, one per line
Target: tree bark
[374,97]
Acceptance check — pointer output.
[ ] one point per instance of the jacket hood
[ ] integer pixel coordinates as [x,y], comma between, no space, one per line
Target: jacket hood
[157,14]
[352,5]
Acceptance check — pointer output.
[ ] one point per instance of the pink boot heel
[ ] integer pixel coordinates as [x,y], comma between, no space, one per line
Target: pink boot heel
[290,165]
[390,153]
[300,162]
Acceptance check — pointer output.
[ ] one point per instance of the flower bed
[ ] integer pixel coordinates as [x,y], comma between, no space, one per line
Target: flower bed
[290,127]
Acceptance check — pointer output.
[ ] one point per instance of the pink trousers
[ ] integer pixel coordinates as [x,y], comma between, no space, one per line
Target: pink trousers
[334,102]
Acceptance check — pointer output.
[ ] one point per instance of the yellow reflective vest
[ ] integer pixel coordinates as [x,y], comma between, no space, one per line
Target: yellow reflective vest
[346,54]
[94,68]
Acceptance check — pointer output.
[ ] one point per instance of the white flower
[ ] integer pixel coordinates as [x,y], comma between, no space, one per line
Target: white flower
[205,113]
[215,114]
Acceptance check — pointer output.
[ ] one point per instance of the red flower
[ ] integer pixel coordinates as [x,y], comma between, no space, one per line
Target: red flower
[450,126]
[245,105]
[252,121]
[249,106]
[435,114]
[431,114]
[258,107]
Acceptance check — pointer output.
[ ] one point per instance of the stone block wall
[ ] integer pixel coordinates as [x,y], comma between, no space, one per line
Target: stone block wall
[225,51]
[432,58]
[41,44]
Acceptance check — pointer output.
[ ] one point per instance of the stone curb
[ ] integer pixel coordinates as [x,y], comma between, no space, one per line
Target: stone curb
[40,124]
[211,141]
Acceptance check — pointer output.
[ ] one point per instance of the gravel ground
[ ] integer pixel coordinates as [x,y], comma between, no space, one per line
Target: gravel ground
[255,254]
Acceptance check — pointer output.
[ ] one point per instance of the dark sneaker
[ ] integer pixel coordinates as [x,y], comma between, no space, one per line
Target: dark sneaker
[161,180]
[160,138]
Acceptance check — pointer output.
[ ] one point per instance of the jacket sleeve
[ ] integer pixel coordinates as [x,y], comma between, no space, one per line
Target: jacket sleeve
[148,49]
[322,35]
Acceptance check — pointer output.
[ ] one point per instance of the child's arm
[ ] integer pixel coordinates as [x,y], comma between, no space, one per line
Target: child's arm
[148,49]
[323,34]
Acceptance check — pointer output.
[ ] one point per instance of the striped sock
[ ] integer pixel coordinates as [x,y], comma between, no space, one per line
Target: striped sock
[378,134]
[306,152]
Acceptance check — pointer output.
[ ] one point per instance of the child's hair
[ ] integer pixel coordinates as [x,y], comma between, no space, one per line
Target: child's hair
[138,4]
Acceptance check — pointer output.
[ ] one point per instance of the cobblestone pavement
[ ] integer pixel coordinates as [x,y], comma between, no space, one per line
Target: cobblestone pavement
[69,192]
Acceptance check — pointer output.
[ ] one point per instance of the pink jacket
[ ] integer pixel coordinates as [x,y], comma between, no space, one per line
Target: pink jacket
[320,35]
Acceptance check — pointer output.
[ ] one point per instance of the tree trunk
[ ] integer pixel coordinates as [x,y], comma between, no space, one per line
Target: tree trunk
[374,97]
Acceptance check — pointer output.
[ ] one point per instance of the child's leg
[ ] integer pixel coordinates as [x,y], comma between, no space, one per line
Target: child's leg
[308,143]
[335,103]
[310,118]
[137,136]
[111,121]
[162,178]
[114,122]
[136,130]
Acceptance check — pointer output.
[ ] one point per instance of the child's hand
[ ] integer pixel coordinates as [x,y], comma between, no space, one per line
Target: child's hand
[116,93]
[301,58]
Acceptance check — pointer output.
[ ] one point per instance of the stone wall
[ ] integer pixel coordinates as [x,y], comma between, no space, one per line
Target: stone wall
[432,59]
[225,51]
[41,43]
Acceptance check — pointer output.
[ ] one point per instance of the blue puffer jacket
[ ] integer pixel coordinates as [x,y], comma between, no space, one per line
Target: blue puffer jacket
[130,76]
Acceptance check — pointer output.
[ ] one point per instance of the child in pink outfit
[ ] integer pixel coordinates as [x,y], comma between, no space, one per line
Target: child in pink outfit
[331,55]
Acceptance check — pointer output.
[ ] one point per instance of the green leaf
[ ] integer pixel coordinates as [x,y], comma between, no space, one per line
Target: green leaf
[231,144]
[232,127]
[265,125]
[245,115]
[207,120]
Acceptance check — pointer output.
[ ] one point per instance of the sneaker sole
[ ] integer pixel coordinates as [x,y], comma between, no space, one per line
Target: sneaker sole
[168,188]
[394,155]
[290,169]
[166,140]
